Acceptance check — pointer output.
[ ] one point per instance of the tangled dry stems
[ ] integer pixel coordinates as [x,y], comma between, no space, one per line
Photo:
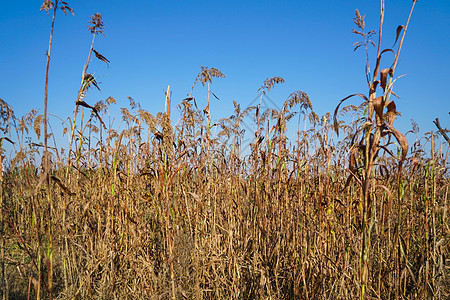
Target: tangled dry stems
[281,224]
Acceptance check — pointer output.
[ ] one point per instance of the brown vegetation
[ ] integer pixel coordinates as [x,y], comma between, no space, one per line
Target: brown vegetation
[159,211]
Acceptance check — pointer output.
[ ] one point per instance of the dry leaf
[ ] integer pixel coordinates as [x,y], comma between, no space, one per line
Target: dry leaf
[391,114]
[62,186]
[399,30]
[101,57]
[336,123]
[383,77]
[402,141]
[378,105]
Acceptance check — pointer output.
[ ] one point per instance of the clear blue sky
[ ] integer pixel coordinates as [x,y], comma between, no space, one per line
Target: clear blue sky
[153,44]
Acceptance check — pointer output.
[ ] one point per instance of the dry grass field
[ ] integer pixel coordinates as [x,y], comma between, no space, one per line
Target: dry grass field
[179,210]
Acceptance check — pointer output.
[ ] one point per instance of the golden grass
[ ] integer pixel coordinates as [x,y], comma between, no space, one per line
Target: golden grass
[280,224]
[157,211]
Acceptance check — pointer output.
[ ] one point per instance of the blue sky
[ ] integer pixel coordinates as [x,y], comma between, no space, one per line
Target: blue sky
[153,44]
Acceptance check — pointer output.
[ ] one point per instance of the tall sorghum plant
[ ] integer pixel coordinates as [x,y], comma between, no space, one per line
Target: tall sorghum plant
[379,117]
[48,5]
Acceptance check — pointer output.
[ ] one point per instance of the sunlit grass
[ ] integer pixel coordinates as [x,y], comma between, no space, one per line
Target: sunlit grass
[151,209]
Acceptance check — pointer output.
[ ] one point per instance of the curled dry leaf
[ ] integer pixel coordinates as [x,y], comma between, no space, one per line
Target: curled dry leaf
[352,163]
[391,114]
[402,141]
[383,77]
[378,105]
[387,50]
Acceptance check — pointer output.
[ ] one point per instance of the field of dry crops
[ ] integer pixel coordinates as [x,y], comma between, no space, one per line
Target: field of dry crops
[172,206]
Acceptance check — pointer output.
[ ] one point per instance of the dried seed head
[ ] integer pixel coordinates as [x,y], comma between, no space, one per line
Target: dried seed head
[167,134]
[299,97]
[207,74]
[37,125]
[6,116]
[97,24]
[47,5]
[359,20]
[149,119]
[66,8]
[110,100]
[269,83]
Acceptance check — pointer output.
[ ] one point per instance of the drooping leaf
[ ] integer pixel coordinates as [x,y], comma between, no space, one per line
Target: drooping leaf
[399,30]
[387,50]
[62,186]
[336,123]
[401,139]
[7,139]
[101,57]
[387,150]
[374,85]
[84,104]
[88,81]
[352,165]
[377,65]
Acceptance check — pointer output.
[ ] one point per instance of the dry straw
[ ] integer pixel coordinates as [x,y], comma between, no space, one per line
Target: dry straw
[153,209]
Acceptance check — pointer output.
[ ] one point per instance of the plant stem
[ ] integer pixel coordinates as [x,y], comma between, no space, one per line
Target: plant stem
[47,166]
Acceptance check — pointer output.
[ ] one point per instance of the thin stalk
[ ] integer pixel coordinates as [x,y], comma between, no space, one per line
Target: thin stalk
[47,166]
[80,92]
[380,31]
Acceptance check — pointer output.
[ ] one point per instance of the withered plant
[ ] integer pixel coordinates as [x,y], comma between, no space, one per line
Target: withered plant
[48,5]
[158,205]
